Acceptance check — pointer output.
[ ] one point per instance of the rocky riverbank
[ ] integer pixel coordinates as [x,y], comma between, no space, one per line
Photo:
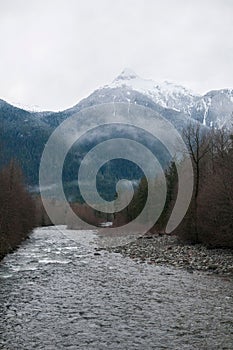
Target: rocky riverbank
[167,250]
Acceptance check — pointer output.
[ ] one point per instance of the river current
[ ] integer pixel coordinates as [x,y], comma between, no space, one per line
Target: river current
[56,293]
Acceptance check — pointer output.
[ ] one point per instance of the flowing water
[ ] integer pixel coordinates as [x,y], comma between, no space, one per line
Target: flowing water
[58,294]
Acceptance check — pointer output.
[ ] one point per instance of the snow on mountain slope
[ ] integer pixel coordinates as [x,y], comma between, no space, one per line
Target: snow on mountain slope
[175,102]
[166,94]
[215,109]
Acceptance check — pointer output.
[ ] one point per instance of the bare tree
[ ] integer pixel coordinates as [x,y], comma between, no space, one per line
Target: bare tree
[198,143]
[216,197]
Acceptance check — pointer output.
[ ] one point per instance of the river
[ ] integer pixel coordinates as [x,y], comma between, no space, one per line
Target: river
[57,293]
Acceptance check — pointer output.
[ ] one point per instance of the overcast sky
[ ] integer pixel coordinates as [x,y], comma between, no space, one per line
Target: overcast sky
[55,52]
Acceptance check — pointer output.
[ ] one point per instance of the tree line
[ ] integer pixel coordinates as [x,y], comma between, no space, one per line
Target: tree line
[209,219]
[17,209]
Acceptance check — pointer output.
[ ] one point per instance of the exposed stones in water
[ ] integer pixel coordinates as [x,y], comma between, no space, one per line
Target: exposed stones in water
[167,250]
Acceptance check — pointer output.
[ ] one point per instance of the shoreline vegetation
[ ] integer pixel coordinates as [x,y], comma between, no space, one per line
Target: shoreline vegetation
[17,209]
[204,239]
[209,218]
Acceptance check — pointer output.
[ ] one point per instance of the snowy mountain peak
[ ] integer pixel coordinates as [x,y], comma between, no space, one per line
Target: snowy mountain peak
[127,74]
[166,94]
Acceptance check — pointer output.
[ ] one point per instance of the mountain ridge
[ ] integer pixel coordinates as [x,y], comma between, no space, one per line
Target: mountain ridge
[24,133]
[213,109]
